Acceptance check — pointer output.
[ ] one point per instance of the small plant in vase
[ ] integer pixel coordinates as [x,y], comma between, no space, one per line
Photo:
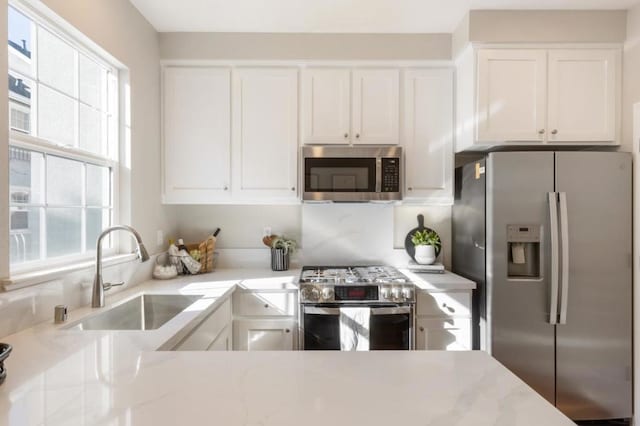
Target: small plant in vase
[427,243]
[281,248]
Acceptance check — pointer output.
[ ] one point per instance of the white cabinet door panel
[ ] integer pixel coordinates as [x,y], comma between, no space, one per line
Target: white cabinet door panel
[445,304]
[223,341]
[428,134]
[376,106]
[264,335]
[196,134]
[443,334]
[326,105]
[265,133]
[265,304]
[511,98]
[206,333]
[582,95]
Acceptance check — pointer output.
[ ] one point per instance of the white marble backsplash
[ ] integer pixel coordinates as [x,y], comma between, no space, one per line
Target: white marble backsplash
[24,307]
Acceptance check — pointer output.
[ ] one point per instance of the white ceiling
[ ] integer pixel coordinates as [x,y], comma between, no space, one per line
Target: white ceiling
[336,16]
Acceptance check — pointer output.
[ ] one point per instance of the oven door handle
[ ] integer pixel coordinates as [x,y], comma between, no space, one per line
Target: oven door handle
[395,310]
[317,310]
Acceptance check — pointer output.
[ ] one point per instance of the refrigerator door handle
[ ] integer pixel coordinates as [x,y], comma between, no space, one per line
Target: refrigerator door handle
[553,225]
[564,235]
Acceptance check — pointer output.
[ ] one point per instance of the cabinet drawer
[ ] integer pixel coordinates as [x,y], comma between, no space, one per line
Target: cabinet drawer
[204,335]
[446,304]
[443,334]
[265,304]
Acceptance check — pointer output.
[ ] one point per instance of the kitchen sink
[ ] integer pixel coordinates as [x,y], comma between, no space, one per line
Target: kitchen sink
[145,312]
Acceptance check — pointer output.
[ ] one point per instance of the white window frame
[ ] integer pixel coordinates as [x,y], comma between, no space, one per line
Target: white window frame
[19,139]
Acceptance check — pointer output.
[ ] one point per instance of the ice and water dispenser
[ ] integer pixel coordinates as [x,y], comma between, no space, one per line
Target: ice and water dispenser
[523,251]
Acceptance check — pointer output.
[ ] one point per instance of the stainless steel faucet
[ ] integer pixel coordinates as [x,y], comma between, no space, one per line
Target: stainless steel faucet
[97,297]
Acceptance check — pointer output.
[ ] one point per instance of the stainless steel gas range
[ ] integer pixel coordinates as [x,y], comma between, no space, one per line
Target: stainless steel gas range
[356,308]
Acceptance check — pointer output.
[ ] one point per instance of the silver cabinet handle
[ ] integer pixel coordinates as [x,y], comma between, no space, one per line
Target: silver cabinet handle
[357,135]
[410,188]
[346,135]
[554,132]
[266,305]
[564,236]
[541,132]
[553,226]
[293,188]
[287,331]
[421,328]
[226,187]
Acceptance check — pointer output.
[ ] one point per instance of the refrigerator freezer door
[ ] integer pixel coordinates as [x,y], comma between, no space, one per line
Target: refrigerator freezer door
[594,346]
[520,335]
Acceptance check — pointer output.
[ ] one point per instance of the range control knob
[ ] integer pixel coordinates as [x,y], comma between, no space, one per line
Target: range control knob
[407,293]
[385,293]
[310,293]
[396,293]
[327,293]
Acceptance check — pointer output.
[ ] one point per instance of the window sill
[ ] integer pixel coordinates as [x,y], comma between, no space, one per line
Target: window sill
[28,279]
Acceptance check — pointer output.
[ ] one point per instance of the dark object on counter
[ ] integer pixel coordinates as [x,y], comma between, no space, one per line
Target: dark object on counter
[216,232]
[408,245]
[279,259]
[5,350]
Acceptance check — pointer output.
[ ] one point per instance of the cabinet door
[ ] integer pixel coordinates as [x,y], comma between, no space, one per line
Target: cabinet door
[264,335]
[428,134]
[196,134]
[325,106]
[512,86]
[207,332]
[265,133]
[223,342]
[443,334]
[583,88]
[376,106]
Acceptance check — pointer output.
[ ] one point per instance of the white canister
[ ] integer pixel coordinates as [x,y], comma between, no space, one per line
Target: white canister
[425,255]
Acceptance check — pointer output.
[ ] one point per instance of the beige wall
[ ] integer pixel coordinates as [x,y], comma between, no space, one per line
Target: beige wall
[118,27]
[305,46]
[631,76]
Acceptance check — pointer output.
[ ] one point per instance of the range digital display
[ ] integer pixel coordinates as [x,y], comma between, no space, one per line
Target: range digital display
[356,292]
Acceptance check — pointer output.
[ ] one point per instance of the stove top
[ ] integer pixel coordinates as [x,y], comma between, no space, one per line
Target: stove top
[371,284]
[356,275]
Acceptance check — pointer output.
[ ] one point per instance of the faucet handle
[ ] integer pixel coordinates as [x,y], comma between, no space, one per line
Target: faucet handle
[107,286]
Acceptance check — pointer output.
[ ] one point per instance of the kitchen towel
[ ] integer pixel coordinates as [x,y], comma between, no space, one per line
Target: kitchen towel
[354,329]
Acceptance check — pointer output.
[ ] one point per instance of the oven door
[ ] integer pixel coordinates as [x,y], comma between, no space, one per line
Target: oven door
[390,327]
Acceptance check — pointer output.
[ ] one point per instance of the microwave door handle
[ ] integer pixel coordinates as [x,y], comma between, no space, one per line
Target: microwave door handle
[378,174]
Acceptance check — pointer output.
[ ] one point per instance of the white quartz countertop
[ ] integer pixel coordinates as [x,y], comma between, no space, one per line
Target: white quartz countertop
[59,376]
[446,281]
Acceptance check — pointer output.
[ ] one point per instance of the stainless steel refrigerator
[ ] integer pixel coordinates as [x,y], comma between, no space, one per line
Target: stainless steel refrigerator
[548,238]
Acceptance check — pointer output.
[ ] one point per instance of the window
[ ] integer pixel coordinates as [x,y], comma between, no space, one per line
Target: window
[63,150]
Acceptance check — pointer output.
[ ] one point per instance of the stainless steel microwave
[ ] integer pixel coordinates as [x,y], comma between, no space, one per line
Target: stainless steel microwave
[352,173]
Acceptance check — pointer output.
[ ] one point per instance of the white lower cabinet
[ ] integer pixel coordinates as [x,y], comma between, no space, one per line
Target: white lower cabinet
[443,334]
[443,320]
[209,331]
[264,334]
[224,341]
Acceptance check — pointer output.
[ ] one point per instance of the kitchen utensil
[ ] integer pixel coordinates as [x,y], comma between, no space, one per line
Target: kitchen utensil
[408,245]
[5,350]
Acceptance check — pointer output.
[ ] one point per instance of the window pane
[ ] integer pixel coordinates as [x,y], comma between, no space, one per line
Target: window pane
[93,130]
[24,239]
[56,62]
[64,182]
[20,101]
[93,83]
[21,35]
[64,231]
[26,169]
[98,186]
[56,121]
[97,221]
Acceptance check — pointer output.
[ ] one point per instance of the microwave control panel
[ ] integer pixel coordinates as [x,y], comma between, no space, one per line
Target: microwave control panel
[390,175]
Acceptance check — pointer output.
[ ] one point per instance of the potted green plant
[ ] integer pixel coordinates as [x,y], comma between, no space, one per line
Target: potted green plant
[426,243]
[281,248]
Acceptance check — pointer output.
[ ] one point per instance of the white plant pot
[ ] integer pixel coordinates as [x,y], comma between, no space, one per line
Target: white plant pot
[425,255]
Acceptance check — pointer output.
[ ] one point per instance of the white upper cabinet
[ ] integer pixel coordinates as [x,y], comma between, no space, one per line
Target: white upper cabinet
[344,106]
[427,135]
[376,106]
[512,87]
[538,96]
[265,133]
[326,105]
[196,134]
[582,95]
